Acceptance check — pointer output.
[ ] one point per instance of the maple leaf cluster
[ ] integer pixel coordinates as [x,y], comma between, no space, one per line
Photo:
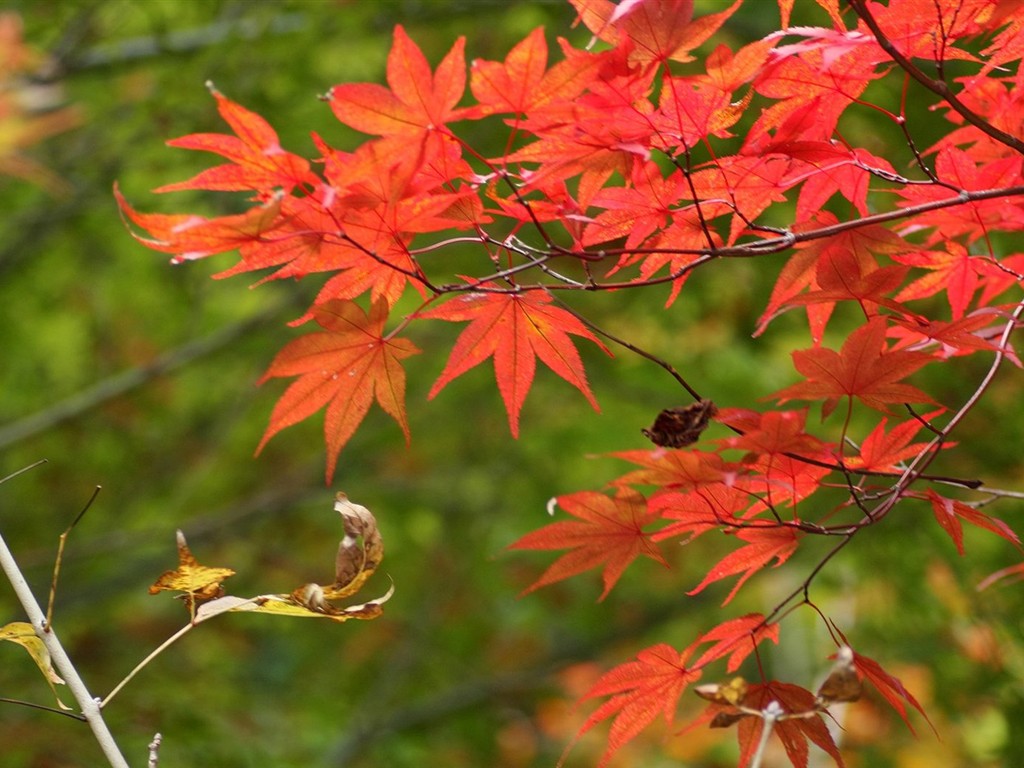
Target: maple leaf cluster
[621,170]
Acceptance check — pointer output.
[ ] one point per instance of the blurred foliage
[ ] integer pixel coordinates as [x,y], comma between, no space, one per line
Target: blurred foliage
[127,373]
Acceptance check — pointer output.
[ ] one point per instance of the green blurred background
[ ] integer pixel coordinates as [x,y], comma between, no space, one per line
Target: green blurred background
[127,373]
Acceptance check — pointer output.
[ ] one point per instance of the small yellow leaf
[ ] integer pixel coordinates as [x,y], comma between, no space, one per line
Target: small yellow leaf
[198,582]
[22,633]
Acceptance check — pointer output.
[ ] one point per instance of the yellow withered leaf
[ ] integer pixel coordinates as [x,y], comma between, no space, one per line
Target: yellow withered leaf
[359,554]
[22,633]
[198,582]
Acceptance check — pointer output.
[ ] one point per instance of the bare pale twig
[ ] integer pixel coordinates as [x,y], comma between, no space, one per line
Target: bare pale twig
[89,706]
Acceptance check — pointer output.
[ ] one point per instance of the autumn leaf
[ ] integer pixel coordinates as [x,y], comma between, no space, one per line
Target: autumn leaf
[359,555]
[417,101]
[890,687]
[22,633]
[515,329]
[191,237]
[257,160]
[199,583]
[794,733]
[345,367]
[863,368]
[658,30]
[522,83]
[609,531]
[737,638]
[883,451]
[640,690]
[764,544]
[949,513]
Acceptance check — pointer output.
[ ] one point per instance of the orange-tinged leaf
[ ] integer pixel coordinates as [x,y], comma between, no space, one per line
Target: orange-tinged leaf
[515,329]
[345,367]
[736,638]
[198,582]
[949,513]
[862,369]
[510,86]
[640,690]
[609,532]
[883,451]
[764,545]
[658,30]
[417,101]
[191,237]
[258,161]
[890,687]
[794,733]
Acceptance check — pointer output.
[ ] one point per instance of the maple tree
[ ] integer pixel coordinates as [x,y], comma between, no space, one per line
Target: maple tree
[630,164]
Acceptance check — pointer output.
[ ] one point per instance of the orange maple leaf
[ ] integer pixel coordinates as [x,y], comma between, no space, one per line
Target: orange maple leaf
[764,545]
[514,328]
[639,691]
[190,237]
[257,160]
[862,369]
[949,513]
[794,733]
[890,687]
[609,531]
[417,101]
[345,368]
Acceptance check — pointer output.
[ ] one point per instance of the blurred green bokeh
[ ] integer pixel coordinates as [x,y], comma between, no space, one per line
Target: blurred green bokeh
[127,373]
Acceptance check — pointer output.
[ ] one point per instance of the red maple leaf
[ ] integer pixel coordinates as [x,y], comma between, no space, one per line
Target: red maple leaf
[801,271]
[862,369]
[890,687]
[657,30]
[970,333]
[257,160]
[883,451]
[345,367]
[949,513]
[695,512]
[765,543]
[191,237]
[794,733]
[417,101]
[640,690]
[522,83]
[609,532]
[736,638]
[953,271]
[515,329]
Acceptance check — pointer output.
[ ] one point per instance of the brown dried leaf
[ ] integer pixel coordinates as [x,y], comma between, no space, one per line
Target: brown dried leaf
[842,683]
[359,554]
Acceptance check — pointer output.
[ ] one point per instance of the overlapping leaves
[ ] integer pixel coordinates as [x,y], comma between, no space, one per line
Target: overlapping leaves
[618,173]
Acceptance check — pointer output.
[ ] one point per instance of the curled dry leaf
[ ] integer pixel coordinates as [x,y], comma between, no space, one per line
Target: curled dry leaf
[842,683]
[732,692]
[22,633]
[359,554]
[682,426]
